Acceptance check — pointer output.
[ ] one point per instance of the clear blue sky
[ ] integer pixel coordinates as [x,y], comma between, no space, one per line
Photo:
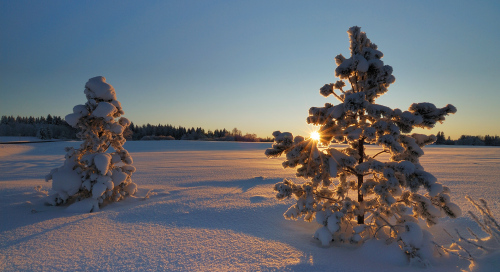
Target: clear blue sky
[254,65]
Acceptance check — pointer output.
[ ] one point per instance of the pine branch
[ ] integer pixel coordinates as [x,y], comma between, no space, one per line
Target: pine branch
[387,223]
[325,197]
[338,97]
[351,170]
[381,152]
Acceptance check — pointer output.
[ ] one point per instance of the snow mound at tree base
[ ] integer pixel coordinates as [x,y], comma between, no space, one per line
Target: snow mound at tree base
[84,206]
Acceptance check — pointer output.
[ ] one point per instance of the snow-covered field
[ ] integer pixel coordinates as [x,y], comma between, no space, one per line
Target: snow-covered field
[210,207]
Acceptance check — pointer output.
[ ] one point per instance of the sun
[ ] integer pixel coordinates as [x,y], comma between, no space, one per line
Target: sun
[315,135]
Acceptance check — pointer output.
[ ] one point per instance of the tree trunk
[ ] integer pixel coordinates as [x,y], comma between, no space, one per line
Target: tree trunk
[361,151]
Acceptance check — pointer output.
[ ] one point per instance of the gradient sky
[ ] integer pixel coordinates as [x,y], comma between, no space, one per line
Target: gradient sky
[254,65]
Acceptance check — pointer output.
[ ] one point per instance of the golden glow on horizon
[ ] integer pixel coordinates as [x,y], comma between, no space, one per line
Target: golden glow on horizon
[315,135]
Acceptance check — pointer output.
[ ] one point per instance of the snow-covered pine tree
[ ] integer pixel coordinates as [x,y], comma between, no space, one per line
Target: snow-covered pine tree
[90,175]
[351,193]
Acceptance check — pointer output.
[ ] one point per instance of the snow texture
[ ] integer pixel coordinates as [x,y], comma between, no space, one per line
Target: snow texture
[199,214]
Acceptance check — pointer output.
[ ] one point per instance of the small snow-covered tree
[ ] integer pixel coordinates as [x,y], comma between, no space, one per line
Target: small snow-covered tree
[353,194]
[91,175]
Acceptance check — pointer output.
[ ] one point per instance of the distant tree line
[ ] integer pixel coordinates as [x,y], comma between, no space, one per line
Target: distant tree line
[55,127]
[468,140]
[50,127]
[169,132]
